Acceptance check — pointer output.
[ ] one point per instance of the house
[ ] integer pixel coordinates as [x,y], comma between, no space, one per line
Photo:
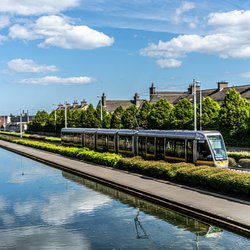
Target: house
[75,106]
[15,121]
[111,105]
[217,94]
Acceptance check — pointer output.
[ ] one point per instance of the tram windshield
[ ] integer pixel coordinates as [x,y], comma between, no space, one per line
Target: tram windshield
[218,147]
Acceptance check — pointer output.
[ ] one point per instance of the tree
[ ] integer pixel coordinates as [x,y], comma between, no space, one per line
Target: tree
[90,118]
[234,113]
[210,113]
[159,116]
[129,118]
[40,121]
[116,119]
[183,115]
[143,115]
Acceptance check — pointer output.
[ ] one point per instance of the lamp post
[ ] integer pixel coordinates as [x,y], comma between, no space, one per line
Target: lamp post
[100,97]
[55,118]
[200,108]
[21,126]
[194,93]
[65,114]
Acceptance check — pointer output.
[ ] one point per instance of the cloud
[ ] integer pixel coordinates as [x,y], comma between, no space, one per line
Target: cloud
[3,39]
[185,6]
[49,80]
[245,74]
[58,31]
[229,38]
[169,63]
[29,66]
[4,21]
[37,7]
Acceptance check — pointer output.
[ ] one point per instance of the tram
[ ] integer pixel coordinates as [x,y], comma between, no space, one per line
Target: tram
[198,147]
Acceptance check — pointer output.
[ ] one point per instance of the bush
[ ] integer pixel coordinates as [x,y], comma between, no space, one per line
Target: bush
[245,163]
[231,162]
[239,155]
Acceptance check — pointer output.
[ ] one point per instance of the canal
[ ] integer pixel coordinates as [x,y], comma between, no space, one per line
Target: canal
[44,208]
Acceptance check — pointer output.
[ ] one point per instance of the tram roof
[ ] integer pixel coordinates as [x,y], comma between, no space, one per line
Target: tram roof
[176,133]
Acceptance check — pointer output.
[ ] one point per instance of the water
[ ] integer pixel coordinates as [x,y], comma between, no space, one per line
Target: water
[45,208]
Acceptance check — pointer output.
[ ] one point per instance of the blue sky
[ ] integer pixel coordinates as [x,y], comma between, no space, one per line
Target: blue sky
[57,51]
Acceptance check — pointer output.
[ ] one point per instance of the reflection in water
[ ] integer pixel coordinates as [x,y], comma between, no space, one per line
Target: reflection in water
[177,219]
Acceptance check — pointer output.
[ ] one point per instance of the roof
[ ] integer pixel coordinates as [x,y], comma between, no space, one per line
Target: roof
[112,105]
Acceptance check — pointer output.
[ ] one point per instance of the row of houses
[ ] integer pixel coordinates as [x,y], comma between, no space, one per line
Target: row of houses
[217,94]
[12,123]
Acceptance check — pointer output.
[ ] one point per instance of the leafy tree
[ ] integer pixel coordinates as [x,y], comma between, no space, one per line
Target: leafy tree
[40,121]
[183,115]
[116,119]
[234,113]
[143,115]
[129,118]
[210,113]
[159,116]
[90,118]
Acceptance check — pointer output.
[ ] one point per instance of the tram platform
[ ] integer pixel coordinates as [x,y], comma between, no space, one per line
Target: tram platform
[223,211]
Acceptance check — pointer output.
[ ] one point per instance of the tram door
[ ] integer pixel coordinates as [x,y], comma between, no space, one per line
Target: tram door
[160,148]
[190,151]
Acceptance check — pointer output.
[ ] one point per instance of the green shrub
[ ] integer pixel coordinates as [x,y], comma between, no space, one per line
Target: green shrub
[245,163]
[231,162]
[239,155]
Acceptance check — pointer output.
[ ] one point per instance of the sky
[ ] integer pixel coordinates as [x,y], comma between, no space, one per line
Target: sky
[57,51]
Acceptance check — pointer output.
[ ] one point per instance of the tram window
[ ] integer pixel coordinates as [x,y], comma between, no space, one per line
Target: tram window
[99,141]
[203,151]
[180,148]
[151,145]
[170,147]
[111,142]
[125,143]
[142,146]
[89,140]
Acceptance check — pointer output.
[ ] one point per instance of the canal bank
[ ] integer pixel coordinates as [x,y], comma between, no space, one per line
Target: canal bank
[223,211]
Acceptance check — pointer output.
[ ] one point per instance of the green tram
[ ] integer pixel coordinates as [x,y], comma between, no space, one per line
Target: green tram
[198,147]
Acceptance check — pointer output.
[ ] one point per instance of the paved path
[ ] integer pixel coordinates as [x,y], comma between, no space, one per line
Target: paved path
[223,211]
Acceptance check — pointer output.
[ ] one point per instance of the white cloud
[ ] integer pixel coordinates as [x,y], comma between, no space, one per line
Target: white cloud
[230,38]
[36,7]
[29,66]
[245,74]
[48,80]
[185,6]
[58,31]
[4,21]
[3,39]
[169,63]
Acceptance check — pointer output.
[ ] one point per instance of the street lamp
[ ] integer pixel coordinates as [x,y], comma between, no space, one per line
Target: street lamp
[194,93]
[55,117]
[100,97]
[65,114]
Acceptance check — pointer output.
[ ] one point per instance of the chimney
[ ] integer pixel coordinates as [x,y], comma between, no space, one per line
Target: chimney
[83,103]
[191,89]
[221,85]
[103,100]
[151,91]
[75,104]
[136,99]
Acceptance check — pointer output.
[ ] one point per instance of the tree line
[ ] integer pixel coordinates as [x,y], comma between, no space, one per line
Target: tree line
[232,118]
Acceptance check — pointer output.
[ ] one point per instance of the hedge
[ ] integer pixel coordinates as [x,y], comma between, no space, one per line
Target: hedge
[220,180]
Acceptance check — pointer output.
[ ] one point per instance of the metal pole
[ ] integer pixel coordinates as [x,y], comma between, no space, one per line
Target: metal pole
[55,121]
[200,108]
[65,114]
[21,127]
[194,93]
